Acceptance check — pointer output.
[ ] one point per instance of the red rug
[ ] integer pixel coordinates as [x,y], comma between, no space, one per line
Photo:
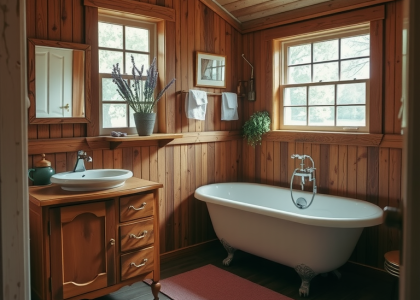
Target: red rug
[212,283]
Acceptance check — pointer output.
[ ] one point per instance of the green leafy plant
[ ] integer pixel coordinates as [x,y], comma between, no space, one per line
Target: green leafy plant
[142,98]
[255,127]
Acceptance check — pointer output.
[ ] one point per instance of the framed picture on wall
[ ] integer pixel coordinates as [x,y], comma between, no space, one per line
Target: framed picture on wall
[210,70]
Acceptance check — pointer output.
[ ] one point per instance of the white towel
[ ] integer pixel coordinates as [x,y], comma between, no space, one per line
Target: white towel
[196,104]
[229,106]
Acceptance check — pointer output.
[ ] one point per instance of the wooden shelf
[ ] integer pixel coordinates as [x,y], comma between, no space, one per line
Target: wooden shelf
[162,138]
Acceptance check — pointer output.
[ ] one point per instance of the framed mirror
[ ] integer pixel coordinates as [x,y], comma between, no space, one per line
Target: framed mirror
[58,82]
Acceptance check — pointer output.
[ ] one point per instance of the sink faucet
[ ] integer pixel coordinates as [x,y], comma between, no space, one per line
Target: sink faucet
[80,161]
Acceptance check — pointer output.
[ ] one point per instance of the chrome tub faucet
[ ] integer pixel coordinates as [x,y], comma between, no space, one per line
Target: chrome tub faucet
[80,161]
[303,172]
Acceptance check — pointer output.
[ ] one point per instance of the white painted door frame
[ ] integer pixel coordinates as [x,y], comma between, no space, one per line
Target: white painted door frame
[14,204]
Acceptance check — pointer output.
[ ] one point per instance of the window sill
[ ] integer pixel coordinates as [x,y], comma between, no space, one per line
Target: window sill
[318,137]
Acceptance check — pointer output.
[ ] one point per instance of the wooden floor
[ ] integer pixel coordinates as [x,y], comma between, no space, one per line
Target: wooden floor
[353,285]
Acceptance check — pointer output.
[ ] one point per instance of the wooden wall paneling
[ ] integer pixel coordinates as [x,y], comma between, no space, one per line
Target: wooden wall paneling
[316,156]
[91,38]
[352,171]
[220,162]
[376,79]
[31,17]
[342,171]
[127,159]
[389,69]
[383,195]
[324,182]
[41,19]
[179,193]
[54,22]
[267,70]
[262,162]
[270,163]
[333,170]
[108,159]
[172,114]
[291,149]
[78,22]
[162,197]
[179,113]
[55,131]
[211,163]
[190,47]
[60,163]
[66,20]
[227,125]
[145,163]
[185,194]
[136,156]
[32,131]
[89,165]
[67,130]
[77,131]
[169,217]
[97,159]
[361,182]
[217,101]
[43,131]
[284,158]
[277,164]
[198,205]
[117,158]
[372,196]
[153,163]
[184,57]
[398,64]
[191,221]
[71,158]
[395,165]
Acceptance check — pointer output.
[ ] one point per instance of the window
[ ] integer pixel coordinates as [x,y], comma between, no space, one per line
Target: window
[119,40]
[325,81]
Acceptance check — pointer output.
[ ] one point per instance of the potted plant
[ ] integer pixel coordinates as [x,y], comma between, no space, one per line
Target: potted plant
[141,98]
[255,127]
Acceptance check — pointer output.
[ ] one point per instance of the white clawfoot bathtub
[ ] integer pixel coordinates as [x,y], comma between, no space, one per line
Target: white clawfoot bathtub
[262,220]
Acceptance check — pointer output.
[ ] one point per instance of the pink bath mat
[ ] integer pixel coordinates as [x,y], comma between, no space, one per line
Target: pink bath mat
[212,283]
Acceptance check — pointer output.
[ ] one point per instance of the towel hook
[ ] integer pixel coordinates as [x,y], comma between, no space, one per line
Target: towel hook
[251,92]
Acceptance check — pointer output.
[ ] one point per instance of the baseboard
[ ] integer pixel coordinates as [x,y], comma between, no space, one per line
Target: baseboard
[367,271]
[188,251]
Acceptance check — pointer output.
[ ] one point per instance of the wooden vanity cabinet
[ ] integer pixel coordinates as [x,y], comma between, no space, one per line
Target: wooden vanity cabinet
[88,244]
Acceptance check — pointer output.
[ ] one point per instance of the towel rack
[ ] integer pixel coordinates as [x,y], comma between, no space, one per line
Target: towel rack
[208,93]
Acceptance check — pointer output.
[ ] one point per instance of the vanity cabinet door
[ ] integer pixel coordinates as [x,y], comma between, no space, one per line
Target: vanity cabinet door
[82,248]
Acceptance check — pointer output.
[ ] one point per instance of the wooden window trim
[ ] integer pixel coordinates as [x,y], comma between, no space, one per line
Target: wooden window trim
[375,15]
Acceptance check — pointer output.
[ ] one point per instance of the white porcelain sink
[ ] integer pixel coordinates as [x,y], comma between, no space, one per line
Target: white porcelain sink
[91,180]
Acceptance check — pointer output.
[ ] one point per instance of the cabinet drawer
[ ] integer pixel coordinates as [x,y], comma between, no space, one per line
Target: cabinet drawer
[136,235]
[136,206]
[137,263]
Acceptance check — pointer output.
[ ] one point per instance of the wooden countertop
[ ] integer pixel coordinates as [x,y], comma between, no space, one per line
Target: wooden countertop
[53,194]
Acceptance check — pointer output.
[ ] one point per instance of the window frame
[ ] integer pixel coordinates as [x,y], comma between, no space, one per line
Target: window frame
[310,38]
[131,22]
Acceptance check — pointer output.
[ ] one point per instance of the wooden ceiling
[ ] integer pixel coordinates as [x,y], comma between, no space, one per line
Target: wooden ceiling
[246,10]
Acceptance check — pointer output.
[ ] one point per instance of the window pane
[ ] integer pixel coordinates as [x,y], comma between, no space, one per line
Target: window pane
[353,93]
[110,35]
[321,95]
[301,74]
[294,96]
[131,118]
[326,72]
[325,51]
[137,39]
[321,116]
[299,54]
[355,69]
[109,90]
[356,46]
[294,116]
[109,58]
[139,59]
[114,115]
[351,115]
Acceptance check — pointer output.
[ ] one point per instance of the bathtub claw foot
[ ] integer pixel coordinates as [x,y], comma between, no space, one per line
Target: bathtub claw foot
[230,250]
[306,274]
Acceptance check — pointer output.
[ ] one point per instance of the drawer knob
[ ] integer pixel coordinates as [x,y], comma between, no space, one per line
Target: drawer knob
[140,265]
[140,208]
[112,242]
[140,236]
